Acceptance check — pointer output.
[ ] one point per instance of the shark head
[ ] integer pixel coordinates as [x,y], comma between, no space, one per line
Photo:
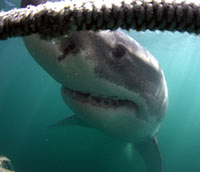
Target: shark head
[109,80]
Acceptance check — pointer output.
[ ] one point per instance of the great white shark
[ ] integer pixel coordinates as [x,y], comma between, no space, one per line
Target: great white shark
[110,82]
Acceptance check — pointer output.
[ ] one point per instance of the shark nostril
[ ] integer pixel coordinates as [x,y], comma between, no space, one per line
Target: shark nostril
[70,47]
[61,57]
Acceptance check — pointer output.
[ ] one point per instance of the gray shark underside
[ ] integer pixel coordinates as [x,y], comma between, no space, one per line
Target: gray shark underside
[147,148]
[110,82]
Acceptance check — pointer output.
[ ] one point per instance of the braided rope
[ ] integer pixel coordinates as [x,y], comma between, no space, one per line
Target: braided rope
[58,18]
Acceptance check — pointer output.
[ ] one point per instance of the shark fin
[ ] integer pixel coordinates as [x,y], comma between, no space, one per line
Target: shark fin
[150,153]
[71,120]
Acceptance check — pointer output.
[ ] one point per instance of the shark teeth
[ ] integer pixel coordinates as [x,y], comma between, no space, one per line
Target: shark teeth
[99,100]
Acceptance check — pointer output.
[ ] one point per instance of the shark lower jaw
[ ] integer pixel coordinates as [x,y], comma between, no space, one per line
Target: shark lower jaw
[101,101]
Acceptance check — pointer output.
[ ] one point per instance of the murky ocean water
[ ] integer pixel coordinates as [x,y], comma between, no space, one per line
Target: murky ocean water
[30,101]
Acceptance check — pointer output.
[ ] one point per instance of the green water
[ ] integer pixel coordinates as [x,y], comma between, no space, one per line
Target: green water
[30,101]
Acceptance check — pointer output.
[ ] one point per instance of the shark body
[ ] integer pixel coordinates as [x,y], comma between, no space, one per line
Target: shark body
[110,82]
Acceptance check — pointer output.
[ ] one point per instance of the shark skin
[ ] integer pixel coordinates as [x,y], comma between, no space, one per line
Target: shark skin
[110,82]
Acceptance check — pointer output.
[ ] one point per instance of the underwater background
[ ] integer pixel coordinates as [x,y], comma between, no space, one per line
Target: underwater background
[30,101]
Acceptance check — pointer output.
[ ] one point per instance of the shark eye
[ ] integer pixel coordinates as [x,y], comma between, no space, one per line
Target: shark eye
[118,51]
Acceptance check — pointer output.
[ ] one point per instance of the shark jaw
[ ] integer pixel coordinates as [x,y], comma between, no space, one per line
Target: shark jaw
[116,116]
[100,100]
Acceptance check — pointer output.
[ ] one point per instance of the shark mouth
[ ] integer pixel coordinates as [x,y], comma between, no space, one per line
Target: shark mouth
[100,100]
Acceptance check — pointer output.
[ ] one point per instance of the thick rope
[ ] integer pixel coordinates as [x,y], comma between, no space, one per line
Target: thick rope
[58,18]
